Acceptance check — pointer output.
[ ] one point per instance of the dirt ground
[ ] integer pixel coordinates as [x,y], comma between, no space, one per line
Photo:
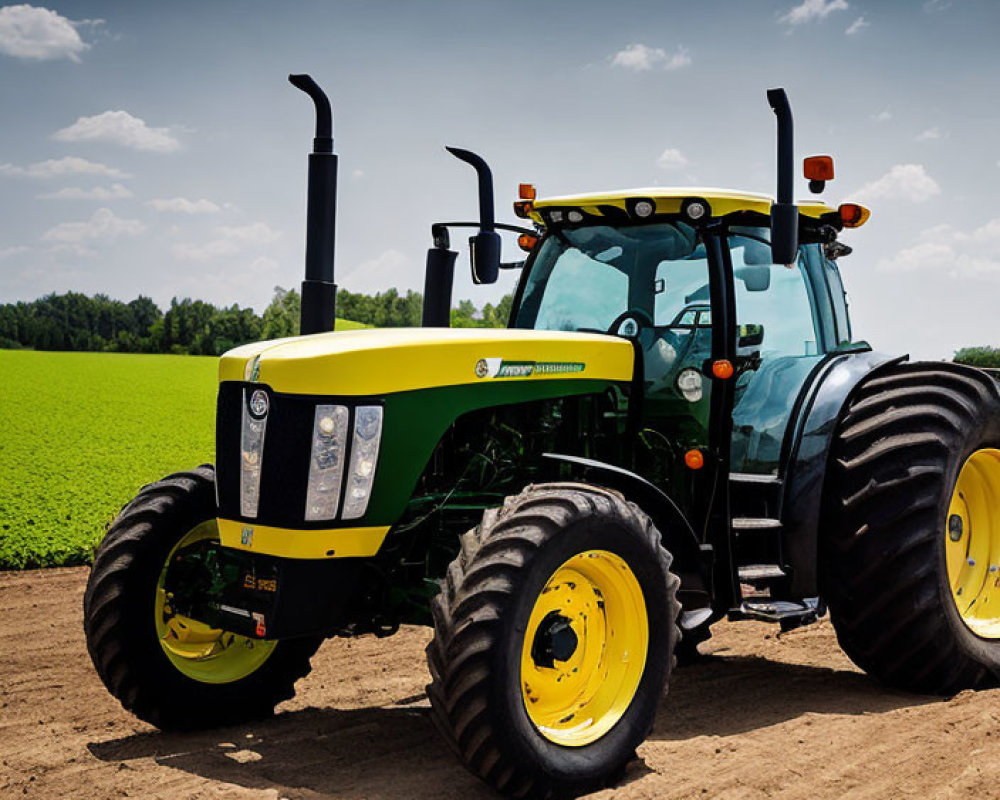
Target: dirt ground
[762,717]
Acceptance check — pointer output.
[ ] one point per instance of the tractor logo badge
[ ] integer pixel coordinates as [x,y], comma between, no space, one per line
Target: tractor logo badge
[246,538]
[499,368]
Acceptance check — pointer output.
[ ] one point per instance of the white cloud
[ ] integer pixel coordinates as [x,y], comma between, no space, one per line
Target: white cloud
[812,11]
[358,174]
[102,226]
[902,182]
[931,134]
[58,167]
[640,58]
[228,241]
[882,116]
[72,249]
[946,250]
[38,34]
[119,127]
[857,26]
[11,252]
[181,205]
[672,158]
[113,192]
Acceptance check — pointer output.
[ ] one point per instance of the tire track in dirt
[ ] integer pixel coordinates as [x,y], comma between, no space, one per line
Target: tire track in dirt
[763,717]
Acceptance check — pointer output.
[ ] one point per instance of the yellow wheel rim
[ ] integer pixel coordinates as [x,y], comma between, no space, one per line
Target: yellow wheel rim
[584,649]
[200,652]
[972,543]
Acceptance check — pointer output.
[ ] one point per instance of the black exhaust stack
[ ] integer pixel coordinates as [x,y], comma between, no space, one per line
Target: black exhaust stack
[439,278]
[319,292]
[784,213]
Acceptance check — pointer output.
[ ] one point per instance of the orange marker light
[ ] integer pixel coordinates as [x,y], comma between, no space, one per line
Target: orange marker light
[818,168]
[523,208]
[853,215]
[722,369]
[526,191]
[694,459]
[527,242]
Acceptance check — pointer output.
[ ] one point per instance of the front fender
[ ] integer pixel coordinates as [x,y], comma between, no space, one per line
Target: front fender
[809,460]
[692,560]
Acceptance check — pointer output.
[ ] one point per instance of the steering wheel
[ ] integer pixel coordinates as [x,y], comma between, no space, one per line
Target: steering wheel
[640,319]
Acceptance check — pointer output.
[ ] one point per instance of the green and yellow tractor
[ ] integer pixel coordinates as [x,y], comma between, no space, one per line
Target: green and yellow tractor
[677,426]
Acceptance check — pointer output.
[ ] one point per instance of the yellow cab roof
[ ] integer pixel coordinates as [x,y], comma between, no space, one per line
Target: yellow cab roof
[669,200]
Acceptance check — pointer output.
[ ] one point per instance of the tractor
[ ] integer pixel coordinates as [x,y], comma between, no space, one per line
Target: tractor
[677,426]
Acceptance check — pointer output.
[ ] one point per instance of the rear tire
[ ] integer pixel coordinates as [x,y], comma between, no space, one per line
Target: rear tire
[510,571]
[894,467]
[119,610]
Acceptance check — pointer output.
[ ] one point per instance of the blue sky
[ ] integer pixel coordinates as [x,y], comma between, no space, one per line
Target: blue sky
[156,148]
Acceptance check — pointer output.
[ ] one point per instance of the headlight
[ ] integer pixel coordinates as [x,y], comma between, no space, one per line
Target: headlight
[364,457]
[326,462]
[252,450]
[689,385]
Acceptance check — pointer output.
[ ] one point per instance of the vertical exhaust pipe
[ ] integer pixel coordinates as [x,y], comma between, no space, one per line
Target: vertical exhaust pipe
[784,213]
[319,292]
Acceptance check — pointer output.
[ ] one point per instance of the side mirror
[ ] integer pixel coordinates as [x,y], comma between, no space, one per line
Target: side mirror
[755,278]
[750,336]
[485,251]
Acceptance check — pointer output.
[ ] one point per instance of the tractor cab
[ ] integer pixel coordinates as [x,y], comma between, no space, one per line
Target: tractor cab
[641,264]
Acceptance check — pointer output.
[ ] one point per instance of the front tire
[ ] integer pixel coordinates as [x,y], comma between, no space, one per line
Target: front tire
[554,635]
[899,479]
[171,671]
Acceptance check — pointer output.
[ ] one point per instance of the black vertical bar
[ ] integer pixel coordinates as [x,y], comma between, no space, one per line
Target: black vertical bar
[319,292]
[718,516]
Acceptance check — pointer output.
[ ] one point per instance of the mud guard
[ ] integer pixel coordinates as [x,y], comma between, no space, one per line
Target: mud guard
[808,459]
[692,559]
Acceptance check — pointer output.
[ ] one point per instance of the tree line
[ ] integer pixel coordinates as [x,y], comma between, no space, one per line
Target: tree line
[74,321]
[983,357]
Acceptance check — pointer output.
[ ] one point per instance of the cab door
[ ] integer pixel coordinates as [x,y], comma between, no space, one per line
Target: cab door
[781,341]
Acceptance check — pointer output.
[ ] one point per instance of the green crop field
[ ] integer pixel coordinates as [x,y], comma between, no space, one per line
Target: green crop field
[80,433]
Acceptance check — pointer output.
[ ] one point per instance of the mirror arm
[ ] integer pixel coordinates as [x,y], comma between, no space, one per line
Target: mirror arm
[498,225]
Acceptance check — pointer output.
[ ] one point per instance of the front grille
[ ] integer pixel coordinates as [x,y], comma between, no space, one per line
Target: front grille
[285,464]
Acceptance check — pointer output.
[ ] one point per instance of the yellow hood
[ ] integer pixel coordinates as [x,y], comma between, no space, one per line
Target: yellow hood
[381,361]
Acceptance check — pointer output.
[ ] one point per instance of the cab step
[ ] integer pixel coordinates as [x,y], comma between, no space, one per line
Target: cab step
[760,573]
[752,495]
[788,613]
[757,540]
[756,524]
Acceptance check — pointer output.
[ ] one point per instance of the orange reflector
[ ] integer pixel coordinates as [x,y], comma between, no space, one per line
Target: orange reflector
[722,369]
[527,242]
[526,191]
[523,208]
[694,459]
[818,168]
[853,215]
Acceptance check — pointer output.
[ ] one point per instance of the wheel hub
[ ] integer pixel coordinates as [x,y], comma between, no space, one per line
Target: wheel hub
[555,640]
[585,649]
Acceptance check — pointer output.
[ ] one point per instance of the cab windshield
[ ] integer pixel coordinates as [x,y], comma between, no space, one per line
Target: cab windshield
[584,279]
